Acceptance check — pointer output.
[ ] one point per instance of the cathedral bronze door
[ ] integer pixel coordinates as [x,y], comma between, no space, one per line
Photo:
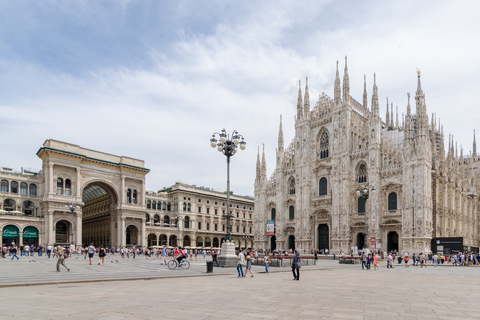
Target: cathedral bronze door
[392,239]
[323,237]
[273,243]
[291,242]
[360,240]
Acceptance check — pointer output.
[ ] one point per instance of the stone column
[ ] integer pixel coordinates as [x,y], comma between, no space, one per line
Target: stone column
[49,230]
[142,233]
[77,185]
[20,238]
[122,191]
[78,231]
[122,232]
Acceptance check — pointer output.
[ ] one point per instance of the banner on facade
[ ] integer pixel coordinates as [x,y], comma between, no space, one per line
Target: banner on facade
[30,232]
[10,231]
[372,243]
[271,227]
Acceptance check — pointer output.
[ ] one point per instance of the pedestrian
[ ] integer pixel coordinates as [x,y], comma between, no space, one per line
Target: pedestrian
[164,254]
[61,258]
[266,261]
[14,252]
[369,261]
[249,265]
[91,252]
[215,256]
[296,265]
[375,262]
[364,260]
[101,255]
[239,263]
[406,260]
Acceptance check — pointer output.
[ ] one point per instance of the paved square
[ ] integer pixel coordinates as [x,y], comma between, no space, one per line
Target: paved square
[325,291]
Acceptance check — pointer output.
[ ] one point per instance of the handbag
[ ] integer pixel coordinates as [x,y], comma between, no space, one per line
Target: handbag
[65,256]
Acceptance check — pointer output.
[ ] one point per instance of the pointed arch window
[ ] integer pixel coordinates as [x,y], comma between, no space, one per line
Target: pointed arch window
[291,186]
[291,212]
[362,174]
[324,145]
[274,214]
[322,187]
[392,201]
[361,205]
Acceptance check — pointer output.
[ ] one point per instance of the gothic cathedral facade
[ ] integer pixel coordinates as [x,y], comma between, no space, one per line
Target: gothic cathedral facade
[350,179]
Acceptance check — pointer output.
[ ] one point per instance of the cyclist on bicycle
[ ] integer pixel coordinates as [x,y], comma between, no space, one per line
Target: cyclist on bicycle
[181,255]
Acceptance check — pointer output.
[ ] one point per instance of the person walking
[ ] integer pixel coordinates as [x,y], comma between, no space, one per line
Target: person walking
[214,257]
[239,263]
[164,254]
[266,261]
[296,265]
[101,255]
[406,260]
[375,262]
[91,252]
[249,265]
[364,260]
[62,255]
[14,252]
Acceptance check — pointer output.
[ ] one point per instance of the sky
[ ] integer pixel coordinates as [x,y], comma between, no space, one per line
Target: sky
[153,80]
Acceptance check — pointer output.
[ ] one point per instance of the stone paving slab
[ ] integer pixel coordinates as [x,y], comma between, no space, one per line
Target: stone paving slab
[328,291]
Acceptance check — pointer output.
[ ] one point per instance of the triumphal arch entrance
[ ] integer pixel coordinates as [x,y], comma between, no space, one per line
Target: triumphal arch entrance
[107,193]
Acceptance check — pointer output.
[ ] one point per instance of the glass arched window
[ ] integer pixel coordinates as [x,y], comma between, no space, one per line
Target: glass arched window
[129,196]
[59,186]
[149,204]
[324,145]
[361,205]
[14,186]
[33,189]
[186,223]
[169,207]
[184,207]
[274,214]
[164,206]
[362,174]
[147,217]
[156,219]
[135,196]
[291,186]
[208,226]
[166,221]
[392,201]
[154,205]
[68,187]
[322,187]
[291,213]
[4,186]
[23,188]
[188,207]
[8,205]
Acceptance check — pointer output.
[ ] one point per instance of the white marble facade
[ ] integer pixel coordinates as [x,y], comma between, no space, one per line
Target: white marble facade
[341,146]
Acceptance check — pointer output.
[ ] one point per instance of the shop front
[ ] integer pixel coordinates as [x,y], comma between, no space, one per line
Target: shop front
[30,236]
[10,235]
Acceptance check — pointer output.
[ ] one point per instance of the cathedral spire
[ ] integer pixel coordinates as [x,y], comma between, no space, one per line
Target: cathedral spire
[391,120]
[258,162]
[299,102]
[280,136]
[337,91]
[396,121]
[387,116]
[409,109]
[365,98]
[474,145]
[264,163]
[346,84]
[306,102]
[375,107]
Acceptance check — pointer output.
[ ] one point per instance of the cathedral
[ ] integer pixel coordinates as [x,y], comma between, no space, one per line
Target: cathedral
[351,180]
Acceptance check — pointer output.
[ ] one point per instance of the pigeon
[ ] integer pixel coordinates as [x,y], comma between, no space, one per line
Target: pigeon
[117,261]
[111,261]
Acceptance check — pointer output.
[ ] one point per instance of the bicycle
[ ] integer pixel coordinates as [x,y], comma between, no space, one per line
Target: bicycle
[173,264]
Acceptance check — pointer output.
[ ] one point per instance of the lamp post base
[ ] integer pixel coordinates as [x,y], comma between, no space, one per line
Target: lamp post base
[227,257]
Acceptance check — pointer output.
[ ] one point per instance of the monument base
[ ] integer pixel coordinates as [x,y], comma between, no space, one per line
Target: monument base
[227,257]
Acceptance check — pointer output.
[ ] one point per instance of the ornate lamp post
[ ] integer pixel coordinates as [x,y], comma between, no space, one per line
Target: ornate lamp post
[72,206]
[363,192]
[177,220]
[228,145]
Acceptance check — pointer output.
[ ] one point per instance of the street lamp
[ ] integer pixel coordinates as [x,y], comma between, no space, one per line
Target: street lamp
[72,206]
[228,145]
[177,220]
[363,192]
